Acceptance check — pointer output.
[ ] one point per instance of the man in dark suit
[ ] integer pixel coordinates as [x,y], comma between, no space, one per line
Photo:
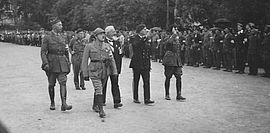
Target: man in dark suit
[116,47]
[241,48]
[140,64]
[228,49]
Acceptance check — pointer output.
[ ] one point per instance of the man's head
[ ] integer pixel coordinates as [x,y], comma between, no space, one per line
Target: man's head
[239,26]
[110,32]
[99,34]
[226,30]
[80,33]
[56,25]
[141,29]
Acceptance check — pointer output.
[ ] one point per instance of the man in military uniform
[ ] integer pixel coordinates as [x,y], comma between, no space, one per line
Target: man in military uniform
[217,49]
[265,51]
[55,62]
[253,48]
[228,49]
[140,64]
[102,64]
[173,65]
[76,47]
[116,48]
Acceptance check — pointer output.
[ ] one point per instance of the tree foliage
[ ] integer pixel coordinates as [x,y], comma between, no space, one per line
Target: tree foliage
[126,14]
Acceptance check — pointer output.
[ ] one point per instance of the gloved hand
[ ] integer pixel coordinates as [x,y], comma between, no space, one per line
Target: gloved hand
[45,67]
[86,78]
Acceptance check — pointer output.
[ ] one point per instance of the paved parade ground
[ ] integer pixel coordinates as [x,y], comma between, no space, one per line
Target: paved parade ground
[217,101]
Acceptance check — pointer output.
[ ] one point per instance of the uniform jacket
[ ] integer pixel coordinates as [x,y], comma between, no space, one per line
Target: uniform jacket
[77,46]
[240,40]
[265,53]
[172,54]
[141,54]
[54,52]
[218,42]
[116,47]
[253,42]
[102,63]
[228,43]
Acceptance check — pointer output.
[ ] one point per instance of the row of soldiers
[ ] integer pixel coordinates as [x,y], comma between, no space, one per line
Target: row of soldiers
[218,48]
[23,38]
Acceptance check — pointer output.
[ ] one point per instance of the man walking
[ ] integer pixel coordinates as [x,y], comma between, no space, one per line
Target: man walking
[116,48]
[102,64]
[55,62]
[76,46]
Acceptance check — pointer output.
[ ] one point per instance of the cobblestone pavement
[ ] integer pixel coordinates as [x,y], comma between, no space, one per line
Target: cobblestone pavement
[216,102]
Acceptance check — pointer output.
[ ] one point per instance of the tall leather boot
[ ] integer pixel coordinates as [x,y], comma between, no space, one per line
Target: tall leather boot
[100,105]
[178,89]
[63,94]
[167,88]
[51,94]
[95,104]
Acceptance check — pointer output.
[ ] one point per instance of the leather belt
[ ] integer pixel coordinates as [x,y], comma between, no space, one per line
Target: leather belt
[103,61]
[57,52]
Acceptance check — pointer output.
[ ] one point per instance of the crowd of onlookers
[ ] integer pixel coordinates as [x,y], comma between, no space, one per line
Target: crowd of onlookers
[216,48]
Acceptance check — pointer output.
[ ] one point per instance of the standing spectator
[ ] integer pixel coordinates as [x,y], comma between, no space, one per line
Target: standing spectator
[253,48]
[266,52]
[217,48]
[228,49]
[241,49]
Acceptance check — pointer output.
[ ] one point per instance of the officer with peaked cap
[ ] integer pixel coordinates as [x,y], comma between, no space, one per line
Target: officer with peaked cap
[102,64]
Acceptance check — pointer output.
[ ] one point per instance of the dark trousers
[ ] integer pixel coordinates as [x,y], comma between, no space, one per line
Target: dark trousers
[228,59]
[114,87]
[169,72]
[77,72]
[146,83]
[253,63]
[240,60]
[217,58]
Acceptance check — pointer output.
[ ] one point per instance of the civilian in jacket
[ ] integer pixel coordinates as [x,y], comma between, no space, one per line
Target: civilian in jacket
[116,47]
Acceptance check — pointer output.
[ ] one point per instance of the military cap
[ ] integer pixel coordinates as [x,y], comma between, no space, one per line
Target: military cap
[54,20]
[79,30]
[240,24]
[109,28]
[98,31]
[140,27]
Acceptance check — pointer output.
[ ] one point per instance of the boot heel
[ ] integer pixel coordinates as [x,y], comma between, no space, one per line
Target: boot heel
[66,107]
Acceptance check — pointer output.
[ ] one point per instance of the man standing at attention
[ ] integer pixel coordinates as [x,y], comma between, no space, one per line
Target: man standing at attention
[140,64]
